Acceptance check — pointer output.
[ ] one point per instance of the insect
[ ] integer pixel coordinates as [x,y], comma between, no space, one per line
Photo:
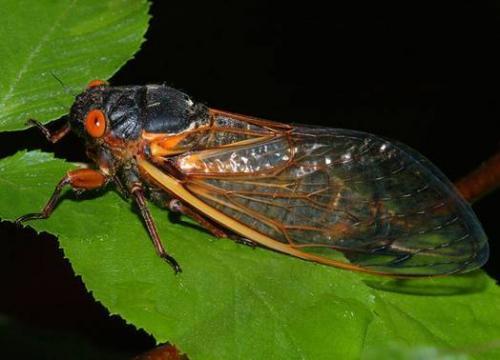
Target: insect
[339,197]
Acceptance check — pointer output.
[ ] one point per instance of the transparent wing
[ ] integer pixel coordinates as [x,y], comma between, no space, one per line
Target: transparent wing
[332,191]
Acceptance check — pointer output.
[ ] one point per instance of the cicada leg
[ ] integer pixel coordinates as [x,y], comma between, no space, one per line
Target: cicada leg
[244,241]
[140,199]
[53,137]
[80,179]
[177,206]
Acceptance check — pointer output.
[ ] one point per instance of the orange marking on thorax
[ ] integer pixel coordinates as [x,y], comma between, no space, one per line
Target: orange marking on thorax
[163,145]
[152,136]
[171,142]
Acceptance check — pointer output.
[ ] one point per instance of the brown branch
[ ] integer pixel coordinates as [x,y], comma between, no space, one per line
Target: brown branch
[162,352]
[481,181]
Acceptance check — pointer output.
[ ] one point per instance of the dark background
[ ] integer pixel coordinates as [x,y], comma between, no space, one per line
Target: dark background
[424,74]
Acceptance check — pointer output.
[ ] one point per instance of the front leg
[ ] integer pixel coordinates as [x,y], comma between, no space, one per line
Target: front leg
[53,137]
[80,179]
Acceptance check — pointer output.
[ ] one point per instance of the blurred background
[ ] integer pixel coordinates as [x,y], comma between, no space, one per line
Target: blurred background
[424,74]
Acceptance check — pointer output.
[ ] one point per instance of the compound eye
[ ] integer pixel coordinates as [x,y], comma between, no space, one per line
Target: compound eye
[95,123]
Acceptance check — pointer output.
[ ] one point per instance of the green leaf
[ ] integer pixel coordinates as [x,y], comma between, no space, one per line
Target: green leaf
[235,302]
[395,352]
[74,40]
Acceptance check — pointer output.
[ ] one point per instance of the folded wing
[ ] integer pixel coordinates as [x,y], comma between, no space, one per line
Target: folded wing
[340,194]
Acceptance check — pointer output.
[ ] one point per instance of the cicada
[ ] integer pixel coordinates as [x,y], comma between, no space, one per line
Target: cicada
[339,197]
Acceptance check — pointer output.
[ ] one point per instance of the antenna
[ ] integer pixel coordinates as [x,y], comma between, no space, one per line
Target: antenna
[66,89]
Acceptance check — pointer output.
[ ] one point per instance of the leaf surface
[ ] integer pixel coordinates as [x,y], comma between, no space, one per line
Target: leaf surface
[236,302]
[73,40]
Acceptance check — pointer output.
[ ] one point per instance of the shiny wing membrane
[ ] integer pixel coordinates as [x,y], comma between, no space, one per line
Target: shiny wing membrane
[333,194]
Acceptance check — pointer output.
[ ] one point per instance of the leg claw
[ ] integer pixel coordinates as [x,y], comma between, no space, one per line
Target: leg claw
[172,262]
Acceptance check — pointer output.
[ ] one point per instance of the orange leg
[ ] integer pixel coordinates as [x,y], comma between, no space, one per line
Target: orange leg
[53,137]
[80,179]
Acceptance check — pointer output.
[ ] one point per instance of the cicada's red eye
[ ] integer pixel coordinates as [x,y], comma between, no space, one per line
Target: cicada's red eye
[96,83]
[95,123]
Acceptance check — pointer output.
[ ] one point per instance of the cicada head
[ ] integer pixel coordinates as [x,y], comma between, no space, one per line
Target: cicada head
[102,111]
[111,119]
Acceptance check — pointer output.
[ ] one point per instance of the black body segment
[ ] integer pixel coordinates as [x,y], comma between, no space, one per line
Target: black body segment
[133,109]
[125,111]
[170,111]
